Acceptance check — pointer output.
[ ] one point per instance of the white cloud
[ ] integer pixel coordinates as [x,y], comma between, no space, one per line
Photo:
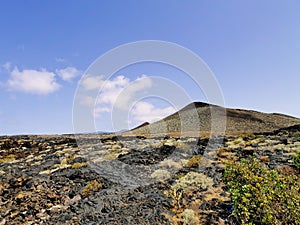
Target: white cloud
[112,89]
[146,112]
[33,81]
[68,73]
[87,100]
[99,110]
[93,82]
[117,92]
[124,98]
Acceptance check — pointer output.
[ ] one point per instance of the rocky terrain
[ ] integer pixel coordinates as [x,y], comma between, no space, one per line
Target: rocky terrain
[160,173]
[105,179]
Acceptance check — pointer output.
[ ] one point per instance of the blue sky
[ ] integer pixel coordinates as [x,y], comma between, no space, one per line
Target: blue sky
[253,48]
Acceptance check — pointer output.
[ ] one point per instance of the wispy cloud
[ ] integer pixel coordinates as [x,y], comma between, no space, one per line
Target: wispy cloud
[123,99]
[68,73]
[60,60]
[146,112]
[115,93]
[119,100]
[112,90]
[33,81]
[119,93]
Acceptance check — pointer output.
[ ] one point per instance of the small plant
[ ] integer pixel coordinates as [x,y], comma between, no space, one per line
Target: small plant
[237,141]
[7,159]
[261,195]
[67,160]
[176,195]
[79,165]
[222,151]
[247,137]
[296,160]
[193,181]
[189,217]
[91,187]
[116,148]
[193,161]
[180,144]
[111,156]
[205,138]
[160,174]
[188,183]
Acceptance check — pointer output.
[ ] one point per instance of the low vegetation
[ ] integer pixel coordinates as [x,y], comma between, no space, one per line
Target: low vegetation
[193,181]
[189,217]
[79,165]
[91,187]
[193,161]
[297,160]
[161,174]
[7,159]
[261,195]
[188,183]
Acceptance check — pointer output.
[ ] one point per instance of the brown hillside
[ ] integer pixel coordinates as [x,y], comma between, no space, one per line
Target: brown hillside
[196,119]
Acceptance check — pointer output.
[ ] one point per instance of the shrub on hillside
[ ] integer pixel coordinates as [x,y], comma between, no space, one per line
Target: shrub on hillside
[261,195]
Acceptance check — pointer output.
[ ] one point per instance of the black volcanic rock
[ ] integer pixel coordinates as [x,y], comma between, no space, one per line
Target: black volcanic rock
[147,156]
[49,180]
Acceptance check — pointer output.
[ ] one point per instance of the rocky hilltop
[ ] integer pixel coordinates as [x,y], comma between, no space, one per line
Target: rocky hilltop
[108,179]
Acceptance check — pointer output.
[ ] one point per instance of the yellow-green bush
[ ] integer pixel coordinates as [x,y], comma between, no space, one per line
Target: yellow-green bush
[194,161]
[297,160]
[237,141]
[261,195]
[7,159]
[91,187]
[79,165]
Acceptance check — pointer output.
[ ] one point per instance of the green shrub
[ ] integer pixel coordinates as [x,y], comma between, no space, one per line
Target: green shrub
[297,160]
[262,196]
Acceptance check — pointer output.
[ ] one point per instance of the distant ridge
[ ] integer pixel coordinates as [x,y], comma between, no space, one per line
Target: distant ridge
[142,125]
[239,121]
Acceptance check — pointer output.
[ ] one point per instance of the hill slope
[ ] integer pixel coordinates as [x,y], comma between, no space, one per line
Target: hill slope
[196,119]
